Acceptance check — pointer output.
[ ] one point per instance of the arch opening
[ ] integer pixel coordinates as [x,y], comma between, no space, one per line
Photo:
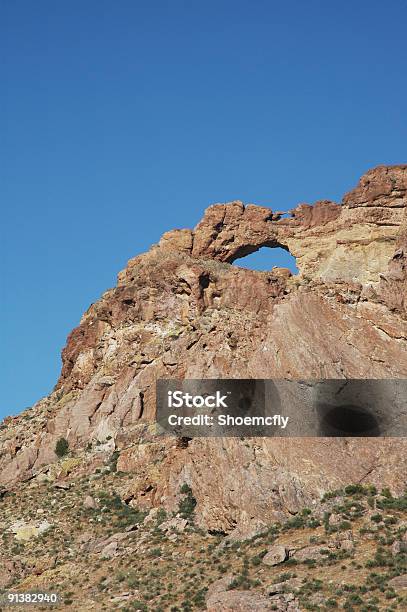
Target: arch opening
[265,258]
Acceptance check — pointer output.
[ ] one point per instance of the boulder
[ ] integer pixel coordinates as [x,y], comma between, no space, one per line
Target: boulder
[174,524]
[398,583]
[109,550]
[90,502]
[24,532]
[275,555]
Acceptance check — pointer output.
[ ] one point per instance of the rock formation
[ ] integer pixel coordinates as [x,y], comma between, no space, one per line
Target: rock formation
[181,310]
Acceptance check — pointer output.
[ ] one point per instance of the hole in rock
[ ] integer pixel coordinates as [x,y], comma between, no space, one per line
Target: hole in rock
[347,421]
[266,258]
[204,281]
[183,442]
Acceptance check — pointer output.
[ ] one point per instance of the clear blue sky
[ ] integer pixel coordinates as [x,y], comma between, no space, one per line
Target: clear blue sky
[121,120]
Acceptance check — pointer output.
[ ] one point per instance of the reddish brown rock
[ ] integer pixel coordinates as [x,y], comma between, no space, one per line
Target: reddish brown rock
[182,310]
[381,186]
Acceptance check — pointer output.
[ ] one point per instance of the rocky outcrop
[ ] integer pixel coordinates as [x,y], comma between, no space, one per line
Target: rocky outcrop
[353,242]
[183,311]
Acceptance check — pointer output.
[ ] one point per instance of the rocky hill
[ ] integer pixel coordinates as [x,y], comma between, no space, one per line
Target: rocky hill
[79,539]
[182,310]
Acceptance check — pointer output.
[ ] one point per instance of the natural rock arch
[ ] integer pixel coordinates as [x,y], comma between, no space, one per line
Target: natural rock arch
[265,258]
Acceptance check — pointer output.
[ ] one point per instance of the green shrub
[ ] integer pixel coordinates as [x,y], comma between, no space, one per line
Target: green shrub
[257,559]
[331,495]
[187,505]
[386,493]
[61,447]
[345,525]
[354,600]
[122,514]
[113,461]
[376,518]
[294,523]
[394,503]
[354,489]
[160,516]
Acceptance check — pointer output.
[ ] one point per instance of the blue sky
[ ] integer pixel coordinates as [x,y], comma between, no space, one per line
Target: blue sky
[121,120]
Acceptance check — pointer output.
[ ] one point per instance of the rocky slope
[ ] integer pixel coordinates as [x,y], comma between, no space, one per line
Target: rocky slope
[182,310]
[79,540]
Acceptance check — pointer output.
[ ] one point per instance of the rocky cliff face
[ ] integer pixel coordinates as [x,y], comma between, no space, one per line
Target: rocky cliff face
[182,310]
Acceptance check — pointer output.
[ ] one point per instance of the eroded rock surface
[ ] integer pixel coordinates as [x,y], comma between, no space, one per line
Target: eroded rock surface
[182,310]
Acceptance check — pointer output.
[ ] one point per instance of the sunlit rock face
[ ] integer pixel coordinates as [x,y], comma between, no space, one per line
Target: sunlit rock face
[181,310]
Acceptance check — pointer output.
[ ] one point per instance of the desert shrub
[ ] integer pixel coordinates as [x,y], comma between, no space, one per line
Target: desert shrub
[354,489]
[394,503]
[62,447]
[123,514]
[311,586]
[376,518]
[187,504]
[354,600]
[331,495]
[345,525]
[294,523]
[331,603]
[113,461]
[257,559]
[199,598]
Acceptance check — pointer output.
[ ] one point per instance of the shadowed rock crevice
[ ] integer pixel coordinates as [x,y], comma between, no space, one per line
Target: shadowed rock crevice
[347,420]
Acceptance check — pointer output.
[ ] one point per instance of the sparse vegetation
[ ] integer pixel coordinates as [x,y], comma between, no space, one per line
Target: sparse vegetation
[172,570]
[62,447]
[187,504]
